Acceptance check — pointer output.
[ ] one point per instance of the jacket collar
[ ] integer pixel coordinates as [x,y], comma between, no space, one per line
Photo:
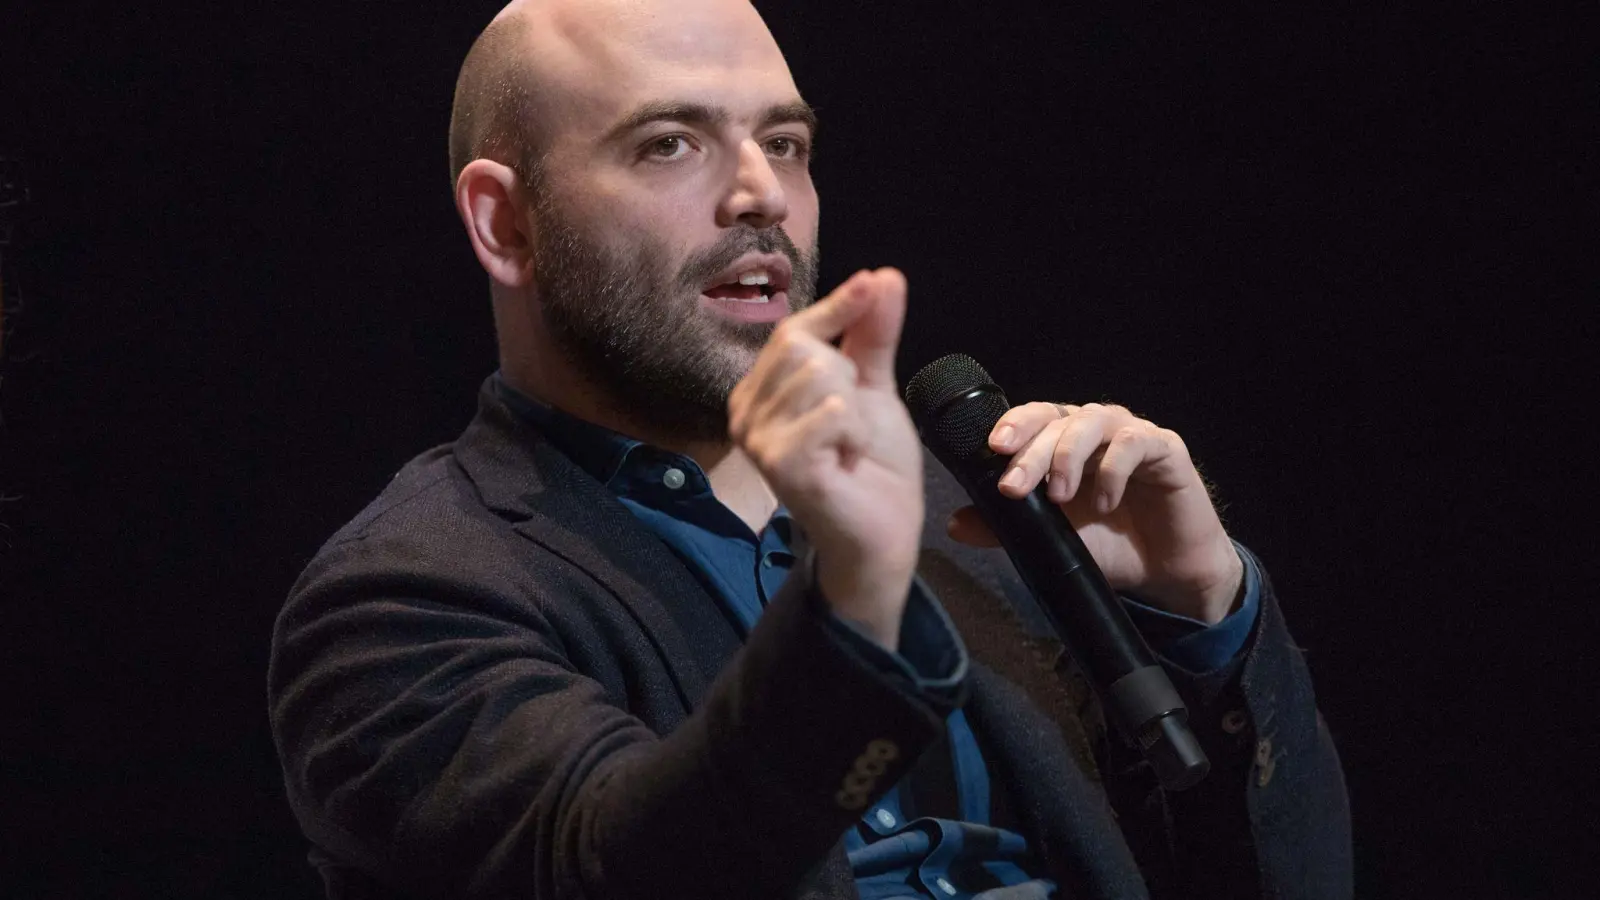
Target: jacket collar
[550,500]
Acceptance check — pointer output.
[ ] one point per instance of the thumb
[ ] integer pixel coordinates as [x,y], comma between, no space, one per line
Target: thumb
[871,341]
[829,318]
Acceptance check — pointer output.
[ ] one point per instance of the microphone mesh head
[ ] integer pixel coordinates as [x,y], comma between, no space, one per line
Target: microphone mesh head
[955,405]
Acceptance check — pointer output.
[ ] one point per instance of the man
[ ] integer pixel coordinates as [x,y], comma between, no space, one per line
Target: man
[665,621]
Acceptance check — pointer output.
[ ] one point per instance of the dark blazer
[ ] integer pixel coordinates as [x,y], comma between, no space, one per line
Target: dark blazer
[496,682]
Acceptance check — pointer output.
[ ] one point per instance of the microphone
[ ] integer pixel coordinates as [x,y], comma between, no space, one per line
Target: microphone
[955,404]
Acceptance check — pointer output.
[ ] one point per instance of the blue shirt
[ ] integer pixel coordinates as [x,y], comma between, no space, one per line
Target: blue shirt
[890,855]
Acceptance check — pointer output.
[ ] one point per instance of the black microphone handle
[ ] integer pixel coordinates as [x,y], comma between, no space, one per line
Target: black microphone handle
[1089,618]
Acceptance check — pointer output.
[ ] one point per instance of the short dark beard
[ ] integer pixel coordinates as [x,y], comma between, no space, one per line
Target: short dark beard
[637,332]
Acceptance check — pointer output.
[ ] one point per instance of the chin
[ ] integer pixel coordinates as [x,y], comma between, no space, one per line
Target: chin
[740,358]
[728,351]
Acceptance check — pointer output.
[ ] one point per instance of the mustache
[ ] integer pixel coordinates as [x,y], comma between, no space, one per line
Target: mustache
[726,251]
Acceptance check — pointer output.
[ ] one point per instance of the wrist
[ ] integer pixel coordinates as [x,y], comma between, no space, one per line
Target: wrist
[871,596]
[1215,598]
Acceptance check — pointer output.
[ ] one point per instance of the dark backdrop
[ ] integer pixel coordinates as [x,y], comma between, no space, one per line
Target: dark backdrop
[1326,247]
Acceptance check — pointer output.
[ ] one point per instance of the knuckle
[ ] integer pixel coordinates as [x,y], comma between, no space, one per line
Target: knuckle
[1041,413]
[787,343]
[1043,445]
[759,452]
[1061,459]
[780,458]
[798,350]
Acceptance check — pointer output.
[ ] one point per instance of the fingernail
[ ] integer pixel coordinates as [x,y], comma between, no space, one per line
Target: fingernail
[1003,436]
[1102,503]
[1014,478]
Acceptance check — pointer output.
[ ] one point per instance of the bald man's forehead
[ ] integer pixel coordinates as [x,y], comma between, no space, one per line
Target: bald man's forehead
[597,60]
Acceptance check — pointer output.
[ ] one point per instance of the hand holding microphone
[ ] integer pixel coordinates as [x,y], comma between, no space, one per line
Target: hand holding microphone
[1134,496]
[960,413]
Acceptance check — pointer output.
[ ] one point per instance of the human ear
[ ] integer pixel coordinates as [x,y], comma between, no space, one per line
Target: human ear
[492,202]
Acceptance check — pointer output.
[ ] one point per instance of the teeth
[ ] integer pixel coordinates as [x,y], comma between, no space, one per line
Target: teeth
[753,278]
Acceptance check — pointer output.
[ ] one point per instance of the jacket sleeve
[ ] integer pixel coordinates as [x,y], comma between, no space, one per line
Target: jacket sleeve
[1272,819]
[436,733]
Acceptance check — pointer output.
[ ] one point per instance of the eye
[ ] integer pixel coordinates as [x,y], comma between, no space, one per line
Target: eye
[788,148]
[668,147]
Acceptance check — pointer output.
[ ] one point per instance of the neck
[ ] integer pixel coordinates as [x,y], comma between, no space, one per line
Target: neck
[735,480]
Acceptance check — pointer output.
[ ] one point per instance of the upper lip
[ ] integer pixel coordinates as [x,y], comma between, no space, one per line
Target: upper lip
[776,265]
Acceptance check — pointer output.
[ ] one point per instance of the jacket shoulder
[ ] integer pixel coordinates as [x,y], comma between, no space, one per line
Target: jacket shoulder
[428,523]
[419,489]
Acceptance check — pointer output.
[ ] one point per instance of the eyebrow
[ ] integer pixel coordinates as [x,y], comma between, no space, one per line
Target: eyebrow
[711,116]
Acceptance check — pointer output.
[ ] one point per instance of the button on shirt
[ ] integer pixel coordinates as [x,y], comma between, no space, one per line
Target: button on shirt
[892,851]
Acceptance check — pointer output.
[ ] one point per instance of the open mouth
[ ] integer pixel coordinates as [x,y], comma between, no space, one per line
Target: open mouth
[750,288]
[755,279]
[753,289]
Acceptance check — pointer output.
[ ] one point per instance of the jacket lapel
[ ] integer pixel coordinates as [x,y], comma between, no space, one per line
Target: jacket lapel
[1040,722]
[556,504]
[1003,626]
[995,637]
[1066,815]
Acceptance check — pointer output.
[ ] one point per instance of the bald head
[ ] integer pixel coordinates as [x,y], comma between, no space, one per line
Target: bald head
[542,63]
[492,116]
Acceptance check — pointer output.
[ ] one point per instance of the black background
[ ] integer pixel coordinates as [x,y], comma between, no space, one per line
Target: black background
[1334,250]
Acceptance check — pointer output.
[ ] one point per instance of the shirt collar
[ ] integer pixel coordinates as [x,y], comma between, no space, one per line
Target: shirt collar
[596,449]
[628,467]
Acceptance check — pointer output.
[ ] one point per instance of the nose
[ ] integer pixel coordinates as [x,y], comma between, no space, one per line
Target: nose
[756,198]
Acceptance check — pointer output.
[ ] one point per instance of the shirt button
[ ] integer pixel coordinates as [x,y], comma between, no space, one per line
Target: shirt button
[886,818]
[945,885]
[673,478]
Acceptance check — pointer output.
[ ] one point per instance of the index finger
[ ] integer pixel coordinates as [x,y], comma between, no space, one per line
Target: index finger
[1021,423]
[871,340]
